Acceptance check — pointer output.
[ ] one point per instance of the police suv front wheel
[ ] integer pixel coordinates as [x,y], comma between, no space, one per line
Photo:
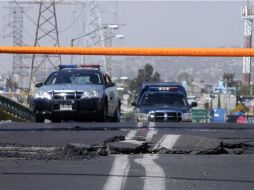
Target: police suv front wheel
[117,115]
[39,118]
[104,115]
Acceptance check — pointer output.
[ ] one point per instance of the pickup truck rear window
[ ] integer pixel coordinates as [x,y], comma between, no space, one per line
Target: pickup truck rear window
[167,99]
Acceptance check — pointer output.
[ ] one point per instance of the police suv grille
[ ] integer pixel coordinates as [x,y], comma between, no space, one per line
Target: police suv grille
[67,95]
[167,116]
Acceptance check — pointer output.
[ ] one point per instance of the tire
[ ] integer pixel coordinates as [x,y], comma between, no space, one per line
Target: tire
[39,118]
[104,115]
[56,120]
[117,115]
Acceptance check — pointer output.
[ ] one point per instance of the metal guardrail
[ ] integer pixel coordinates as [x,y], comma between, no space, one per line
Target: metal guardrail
[16,109]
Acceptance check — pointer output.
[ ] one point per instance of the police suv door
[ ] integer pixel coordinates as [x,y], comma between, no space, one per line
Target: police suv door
[111,94]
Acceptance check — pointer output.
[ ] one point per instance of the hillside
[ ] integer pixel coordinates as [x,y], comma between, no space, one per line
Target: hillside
[208,69]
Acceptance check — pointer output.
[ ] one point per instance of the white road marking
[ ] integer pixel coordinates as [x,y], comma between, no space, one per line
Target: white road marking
[119,171]
[140,124]
[134,142]
[131,134]
[129,138]
[155,176]
[151,125]
[121,166]
[150,134]
[167,141]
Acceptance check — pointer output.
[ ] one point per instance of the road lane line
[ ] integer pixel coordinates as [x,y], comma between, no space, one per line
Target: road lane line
[129,138]
[117,176]
[151,125]
[121,166]
[139,124]
[150,134]
[152,169]
[167,141]
[131,134]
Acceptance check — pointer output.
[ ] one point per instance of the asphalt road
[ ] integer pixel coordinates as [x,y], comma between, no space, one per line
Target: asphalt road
[126,156]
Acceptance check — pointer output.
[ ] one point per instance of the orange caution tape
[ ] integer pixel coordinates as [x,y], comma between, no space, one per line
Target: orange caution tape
[201,52]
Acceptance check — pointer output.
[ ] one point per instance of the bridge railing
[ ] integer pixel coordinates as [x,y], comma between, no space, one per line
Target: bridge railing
[16,109]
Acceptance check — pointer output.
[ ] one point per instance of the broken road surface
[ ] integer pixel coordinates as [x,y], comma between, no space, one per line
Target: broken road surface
[125,156]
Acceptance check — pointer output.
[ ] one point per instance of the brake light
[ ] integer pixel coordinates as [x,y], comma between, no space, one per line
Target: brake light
[168,89]
[90,66]
[163,88]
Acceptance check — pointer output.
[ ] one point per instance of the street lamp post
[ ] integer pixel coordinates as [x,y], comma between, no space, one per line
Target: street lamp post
[110,26]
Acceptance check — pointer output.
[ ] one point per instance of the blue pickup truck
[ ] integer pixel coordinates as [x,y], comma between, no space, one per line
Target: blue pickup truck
[162,102]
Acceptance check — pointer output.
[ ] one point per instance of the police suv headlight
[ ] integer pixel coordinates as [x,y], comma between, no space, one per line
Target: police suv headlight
[186,117]
[43,95]
[142,117]
[90,94]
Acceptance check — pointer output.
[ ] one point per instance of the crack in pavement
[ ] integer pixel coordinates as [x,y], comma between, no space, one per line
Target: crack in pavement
[83,151]
[130,144]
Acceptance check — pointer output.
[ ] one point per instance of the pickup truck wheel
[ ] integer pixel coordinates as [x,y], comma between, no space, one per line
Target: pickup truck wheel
[39,118]
[56,120]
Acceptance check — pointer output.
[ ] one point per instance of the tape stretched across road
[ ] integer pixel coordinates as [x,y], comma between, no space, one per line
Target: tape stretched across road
[199,52]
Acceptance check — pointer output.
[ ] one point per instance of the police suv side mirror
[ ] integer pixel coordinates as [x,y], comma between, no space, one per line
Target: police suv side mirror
[111,84]
[193,104]
[38,85]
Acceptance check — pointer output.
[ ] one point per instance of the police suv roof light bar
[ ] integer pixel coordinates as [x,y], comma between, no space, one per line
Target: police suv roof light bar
[67,67]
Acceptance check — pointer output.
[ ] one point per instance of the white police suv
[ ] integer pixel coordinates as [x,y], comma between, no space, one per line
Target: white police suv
[77,93]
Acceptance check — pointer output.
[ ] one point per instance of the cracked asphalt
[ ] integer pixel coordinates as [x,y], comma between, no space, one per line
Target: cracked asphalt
[126,156]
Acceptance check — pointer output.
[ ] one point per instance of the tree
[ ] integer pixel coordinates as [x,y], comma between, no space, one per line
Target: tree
[183,76]
[229,78]
[11,84]
[145,74]
[240,108]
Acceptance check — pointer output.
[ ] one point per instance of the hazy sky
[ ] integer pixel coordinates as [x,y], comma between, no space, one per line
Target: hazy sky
[182,24]
[153,24]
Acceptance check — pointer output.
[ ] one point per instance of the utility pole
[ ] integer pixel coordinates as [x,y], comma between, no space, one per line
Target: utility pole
[46,35]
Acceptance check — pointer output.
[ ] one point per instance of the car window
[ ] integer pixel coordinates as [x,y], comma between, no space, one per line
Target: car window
[151,99]
[74,78]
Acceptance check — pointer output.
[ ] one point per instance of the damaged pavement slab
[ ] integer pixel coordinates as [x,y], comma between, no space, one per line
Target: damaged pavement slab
[168,144]
[76,156]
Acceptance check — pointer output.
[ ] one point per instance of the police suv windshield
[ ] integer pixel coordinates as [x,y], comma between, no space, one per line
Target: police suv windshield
[74,77]
[165,99]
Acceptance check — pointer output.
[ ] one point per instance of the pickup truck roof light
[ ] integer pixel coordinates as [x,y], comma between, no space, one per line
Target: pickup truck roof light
[67,67]
[90,66]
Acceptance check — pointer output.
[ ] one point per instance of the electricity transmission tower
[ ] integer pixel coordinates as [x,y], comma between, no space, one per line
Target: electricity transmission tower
[248,16]
[15,25]
[94,28]
[98,34]
[108,37]
[46,35]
